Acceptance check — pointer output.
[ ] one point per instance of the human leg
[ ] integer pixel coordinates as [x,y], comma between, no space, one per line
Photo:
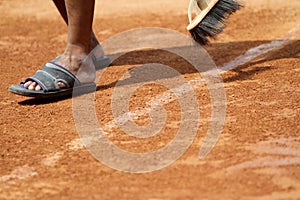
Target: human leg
[79,17]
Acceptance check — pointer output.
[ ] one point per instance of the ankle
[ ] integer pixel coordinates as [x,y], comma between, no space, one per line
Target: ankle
[77,49]
[73,57]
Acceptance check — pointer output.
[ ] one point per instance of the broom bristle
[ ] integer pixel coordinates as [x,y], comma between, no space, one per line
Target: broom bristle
[214,22]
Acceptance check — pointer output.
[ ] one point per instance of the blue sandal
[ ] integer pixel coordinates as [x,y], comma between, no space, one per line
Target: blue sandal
[48,78]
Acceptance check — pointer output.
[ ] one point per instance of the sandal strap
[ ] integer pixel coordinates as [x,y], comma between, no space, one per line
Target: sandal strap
[51,74]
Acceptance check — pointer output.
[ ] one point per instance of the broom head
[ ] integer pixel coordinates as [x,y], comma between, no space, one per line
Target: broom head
[210,17]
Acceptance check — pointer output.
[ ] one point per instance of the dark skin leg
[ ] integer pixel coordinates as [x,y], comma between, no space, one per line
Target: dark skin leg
[61,7]
[79,17]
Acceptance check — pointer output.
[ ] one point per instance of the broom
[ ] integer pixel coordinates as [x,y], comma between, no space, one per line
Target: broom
[210,17]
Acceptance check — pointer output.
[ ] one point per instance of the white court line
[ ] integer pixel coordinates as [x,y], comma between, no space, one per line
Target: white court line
[19,173]
[165,98]
[256,52]
[168,96]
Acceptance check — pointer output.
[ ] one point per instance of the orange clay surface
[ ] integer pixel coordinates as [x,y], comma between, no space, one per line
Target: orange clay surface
[257,155]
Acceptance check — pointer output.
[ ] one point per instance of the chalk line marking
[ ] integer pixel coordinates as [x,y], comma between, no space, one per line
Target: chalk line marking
[52,159]
[19,173]
[168,96]
[256,52]
[287,147]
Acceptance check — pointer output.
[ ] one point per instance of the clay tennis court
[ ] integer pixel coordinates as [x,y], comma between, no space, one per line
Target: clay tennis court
[256,157]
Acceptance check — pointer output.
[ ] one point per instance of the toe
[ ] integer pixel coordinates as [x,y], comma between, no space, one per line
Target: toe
[38,88]
[26,85]
[32,86]
[61,85]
